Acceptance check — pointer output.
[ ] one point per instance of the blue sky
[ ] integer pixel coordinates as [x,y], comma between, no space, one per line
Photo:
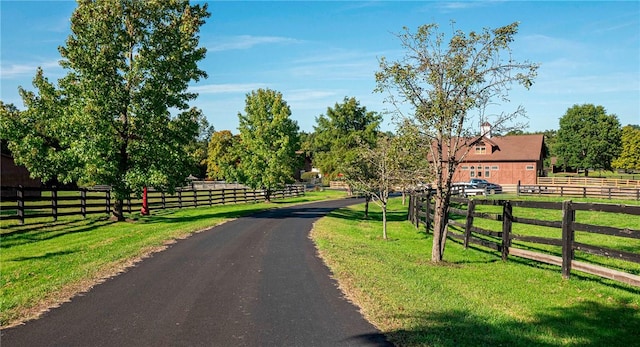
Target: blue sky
[317,53]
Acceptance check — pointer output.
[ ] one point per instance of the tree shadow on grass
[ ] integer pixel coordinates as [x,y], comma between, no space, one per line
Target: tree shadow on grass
[50,231]
[42,257]
[586,323]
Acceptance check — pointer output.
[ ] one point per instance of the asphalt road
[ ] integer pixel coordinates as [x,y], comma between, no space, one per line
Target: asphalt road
[255,281]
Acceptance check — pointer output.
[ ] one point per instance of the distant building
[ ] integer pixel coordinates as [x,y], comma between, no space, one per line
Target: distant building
[504,160]
[12,176]
[501,159]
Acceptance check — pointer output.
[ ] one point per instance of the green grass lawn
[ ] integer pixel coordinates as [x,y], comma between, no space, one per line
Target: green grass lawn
[44,262]
[473,298]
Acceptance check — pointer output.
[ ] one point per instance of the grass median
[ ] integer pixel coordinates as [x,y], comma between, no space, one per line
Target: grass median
[45,263]
[473,298]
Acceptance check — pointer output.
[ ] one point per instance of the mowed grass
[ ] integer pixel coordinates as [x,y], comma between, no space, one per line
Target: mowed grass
[473,298]
[44,263]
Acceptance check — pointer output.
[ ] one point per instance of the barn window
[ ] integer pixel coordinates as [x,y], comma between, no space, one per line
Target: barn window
[487,173]
[494,167]
[465,168]
[530,167]
[481,150]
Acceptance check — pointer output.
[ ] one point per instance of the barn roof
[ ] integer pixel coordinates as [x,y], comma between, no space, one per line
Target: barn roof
[507,148]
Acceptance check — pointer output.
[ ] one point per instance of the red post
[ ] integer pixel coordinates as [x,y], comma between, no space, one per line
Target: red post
[145,206]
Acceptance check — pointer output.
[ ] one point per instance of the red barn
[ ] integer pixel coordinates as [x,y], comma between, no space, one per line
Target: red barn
[504,160]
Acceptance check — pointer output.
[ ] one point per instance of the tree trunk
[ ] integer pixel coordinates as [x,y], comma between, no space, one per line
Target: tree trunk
[384,220]
[118,208]
[367,198]
[267,195]
[439,229]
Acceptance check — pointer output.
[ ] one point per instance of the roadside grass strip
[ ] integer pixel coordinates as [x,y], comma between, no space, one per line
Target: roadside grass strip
[473,298]
[45,263]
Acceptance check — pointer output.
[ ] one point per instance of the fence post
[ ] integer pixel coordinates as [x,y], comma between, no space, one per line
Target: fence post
[568,217]
[54,203]
[83,202]
[416,218]
[107,197]
[518,188]
[20,195]
[210,201]
[410,213]
[195,197]
[427,221]
[507,218]
[129,203]
[163,198]
[471,207]
[180,198]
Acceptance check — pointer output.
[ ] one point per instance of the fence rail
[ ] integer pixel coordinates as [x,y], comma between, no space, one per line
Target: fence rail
[587,181]
[420,213]
[22,203]
[584,191]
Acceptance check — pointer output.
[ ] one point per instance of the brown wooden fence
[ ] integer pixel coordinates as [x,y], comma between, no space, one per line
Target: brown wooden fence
[584,191]
[420,213]
[19,203]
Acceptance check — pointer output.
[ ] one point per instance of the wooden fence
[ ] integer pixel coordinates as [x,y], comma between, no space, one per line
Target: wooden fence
[589,181]
[421,213]
[584,191]
[20,203]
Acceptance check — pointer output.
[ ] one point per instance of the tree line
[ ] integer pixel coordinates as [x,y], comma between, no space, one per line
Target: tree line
[121,114]
[590,139]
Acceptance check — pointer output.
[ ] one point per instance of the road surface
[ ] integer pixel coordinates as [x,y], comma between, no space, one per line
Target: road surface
[255,281]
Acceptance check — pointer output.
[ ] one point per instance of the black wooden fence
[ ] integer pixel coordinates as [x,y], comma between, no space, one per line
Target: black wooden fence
[421,213]
[21,203]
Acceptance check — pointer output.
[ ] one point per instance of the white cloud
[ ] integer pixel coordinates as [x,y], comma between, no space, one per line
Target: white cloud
[226,88]
[20,70]
[242,42]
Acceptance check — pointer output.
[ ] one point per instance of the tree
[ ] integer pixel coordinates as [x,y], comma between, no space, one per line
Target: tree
[345,127]
[268,142]
[376,170]
[120,116]
[221,157]
[588,138]
[447,88]
[629,158]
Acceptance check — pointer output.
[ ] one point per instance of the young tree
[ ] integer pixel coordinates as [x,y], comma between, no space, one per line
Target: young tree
[448,85]
[629,158]
[377,170]
[345,127]
[221,158]
[120,116]
[268,142]
[588,138]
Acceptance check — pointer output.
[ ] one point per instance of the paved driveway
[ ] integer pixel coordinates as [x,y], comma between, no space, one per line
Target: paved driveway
[255,281]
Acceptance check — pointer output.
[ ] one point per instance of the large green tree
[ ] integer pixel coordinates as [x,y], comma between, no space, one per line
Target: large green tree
[221,157]
[345,127]
[120,116]
[629,158]
[268,142]
[588,138]
[450,86]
